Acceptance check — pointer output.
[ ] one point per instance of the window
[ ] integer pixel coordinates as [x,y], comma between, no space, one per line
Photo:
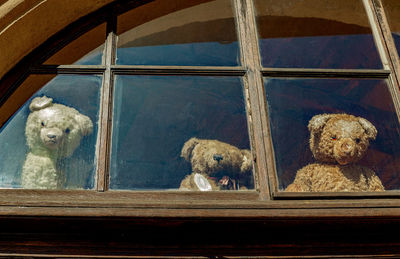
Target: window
[141,81]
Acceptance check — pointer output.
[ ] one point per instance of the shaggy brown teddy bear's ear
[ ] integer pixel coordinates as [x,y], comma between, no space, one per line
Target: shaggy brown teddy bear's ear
[39,103]
[317,123]
[188,148]
[370,129]
[85,124]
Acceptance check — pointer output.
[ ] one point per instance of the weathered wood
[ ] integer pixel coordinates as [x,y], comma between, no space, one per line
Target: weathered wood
[178,70]
[278,238]
[104,223]
[384,33]
[254,95]
[326,73]
[105,121]
[68,69]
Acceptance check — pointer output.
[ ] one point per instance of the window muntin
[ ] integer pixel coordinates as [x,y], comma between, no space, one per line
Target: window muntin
[392,10]
[282,73]
[78,169]
[165,37]
[293,102]
[155,115]
[315,34]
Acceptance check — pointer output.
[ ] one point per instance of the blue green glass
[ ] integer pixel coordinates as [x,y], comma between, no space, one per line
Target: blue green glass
[188,35]
[315,34]
[293,102]
[80,92]
[155,115]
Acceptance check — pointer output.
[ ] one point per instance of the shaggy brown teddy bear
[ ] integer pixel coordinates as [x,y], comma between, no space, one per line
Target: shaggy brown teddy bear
[338,142]
[216,165]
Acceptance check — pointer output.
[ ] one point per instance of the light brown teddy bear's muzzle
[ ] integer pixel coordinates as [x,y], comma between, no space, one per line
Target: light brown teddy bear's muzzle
[345,151]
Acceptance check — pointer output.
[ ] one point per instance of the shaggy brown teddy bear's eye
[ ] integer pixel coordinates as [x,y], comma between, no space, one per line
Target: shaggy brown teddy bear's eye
[67,130]
[357,140]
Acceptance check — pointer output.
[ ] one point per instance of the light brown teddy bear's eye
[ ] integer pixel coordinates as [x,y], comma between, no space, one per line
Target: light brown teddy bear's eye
[334,138]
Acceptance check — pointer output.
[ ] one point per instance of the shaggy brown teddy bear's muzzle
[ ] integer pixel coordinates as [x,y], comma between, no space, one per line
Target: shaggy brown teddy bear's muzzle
[52,138]
[347,151]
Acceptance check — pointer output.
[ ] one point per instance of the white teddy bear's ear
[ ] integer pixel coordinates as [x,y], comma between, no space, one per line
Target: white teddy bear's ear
[39,103]
[318,122]
[85,124]
[370,129]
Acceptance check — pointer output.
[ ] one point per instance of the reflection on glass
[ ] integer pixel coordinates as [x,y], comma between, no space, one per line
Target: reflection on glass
[392,10]
[49,143]
[293,102]
[85,50]
[172,132]
[315,34]
[195,32]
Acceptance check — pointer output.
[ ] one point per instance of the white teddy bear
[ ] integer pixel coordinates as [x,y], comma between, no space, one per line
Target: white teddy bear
[53,132]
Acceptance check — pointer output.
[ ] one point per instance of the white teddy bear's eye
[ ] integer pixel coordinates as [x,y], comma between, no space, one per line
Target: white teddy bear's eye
[42,124]
[67,130]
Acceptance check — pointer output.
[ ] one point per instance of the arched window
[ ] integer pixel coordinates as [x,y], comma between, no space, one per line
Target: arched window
[210,109]
[155,87]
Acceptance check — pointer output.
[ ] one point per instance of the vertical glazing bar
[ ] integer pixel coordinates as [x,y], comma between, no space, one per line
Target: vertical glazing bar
[377,35]
[261,143]
[385,34]
[386,48]
[103,143]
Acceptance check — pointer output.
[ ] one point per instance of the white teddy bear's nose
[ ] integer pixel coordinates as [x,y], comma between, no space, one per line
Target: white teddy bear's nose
[49,135]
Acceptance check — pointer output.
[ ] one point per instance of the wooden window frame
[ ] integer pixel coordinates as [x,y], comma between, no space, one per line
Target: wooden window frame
[68,218]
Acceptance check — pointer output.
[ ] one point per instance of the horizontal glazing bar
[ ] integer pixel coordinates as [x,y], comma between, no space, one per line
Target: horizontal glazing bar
[179,70]
[336,195]
[68,69]
[324,73]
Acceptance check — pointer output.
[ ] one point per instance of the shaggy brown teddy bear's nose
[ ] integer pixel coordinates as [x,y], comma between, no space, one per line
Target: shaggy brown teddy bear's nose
[346,147]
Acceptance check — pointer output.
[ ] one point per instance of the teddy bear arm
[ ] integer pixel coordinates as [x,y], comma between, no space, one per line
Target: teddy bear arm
[302,182]
[374,183]
[188,184]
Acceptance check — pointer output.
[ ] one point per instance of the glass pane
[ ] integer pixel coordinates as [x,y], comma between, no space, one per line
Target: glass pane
[315,34]
[173,132]
[49,143]
[293,103]
[392,10]
[197,33]
[85,50]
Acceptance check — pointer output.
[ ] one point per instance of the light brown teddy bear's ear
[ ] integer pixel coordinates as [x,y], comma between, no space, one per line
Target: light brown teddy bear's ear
[39,103]
[247,163]
[370,129]
[188,148]
[317,123]
[85,124]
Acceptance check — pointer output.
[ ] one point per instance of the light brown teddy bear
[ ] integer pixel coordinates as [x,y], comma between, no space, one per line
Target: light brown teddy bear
[338,142]
[216,166]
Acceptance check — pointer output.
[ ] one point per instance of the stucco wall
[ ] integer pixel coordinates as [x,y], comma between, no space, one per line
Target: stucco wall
[25,24]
